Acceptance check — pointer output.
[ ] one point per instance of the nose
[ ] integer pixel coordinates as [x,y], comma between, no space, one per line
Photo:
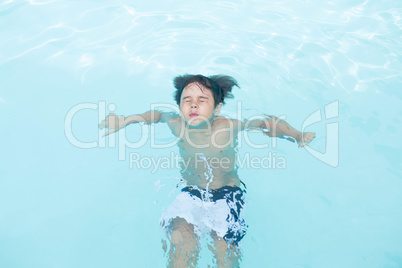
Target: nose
[194,105]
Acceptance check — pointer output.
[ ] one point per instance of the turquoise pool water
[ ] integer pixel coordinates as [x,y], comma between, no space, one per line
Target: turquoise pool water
[335,204]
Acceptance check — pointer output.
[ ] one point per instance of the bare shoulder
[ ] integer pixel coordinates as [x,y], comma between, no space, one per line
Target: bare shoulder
[225,122]
[222,120]
[174,122]
[168,117]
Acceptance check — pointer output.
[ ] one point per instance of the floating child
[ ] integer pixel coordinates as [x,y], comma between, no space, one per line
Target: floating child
[212,202]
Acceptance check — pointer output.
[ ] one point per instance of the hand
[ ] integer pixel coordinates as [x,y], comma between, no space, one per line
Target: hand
[304,138]
[113,122]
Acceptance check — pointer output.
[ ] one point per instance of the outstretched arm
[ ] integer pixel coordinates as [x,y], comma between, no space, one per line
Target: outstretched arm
[114,122]
[272,126]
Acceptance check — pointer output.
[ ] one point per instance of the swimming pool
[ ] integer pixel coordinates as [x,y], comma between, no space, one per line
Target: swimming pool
[65,206]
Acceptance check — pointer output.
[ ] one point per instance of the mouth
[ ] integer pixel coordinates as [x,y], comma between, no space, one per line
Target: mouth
[193,115]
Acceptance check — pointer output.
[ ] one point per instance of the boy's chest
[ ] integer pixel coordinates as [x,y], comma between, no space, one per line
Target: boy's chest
[200,156]
[216,135]
[216,140]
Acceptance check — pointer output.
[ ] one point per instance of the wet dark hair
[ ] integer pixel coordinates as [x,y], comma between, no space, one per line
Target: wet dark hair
[220,85]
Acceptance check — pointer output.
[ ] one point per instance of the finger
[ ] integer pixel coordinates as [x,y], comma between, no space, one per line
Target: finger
[302,144]
[101,125]
[109,132]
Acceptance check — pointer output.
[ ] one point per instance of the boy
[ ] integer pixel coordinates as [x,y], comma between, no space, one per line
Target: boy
[213,200]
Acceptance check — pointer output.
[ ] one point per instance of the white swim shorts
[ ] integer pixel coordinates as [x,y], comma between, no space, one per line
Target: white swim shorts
[221,210]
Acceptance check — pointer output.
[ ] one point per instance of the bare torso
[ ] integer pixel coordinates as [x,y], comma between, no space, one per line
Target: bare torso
[208,154]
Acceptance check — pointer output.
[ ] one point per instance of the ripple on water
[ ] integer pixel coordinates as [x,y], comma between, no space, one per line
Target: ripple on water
[347,45]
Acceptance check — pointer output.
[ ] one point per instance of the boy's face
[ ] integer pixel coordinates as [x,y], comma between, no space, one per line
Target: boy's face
[197,104]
